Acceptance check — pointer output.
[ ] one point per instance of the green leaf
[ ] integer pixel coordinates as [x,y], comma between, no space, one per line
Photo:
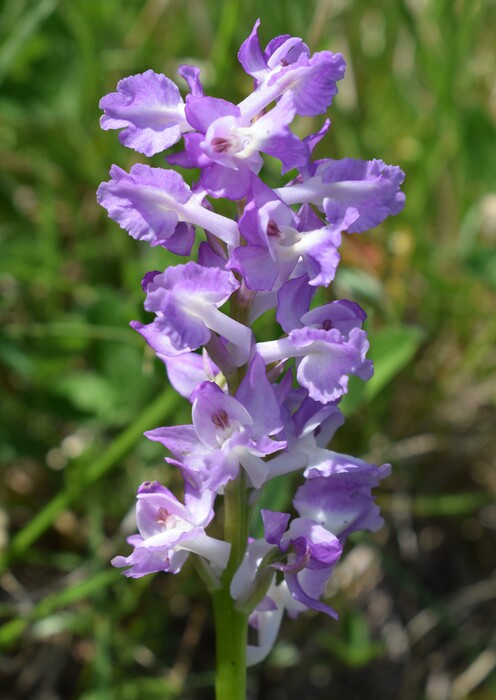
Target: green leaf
[354,283]
[91,471]
[13,629]
[354,648]
[87,391]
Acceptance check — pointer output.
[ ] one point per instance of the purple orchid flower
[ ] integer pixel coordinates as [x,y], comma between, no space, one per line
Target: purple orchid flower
[149,109]
[308,430]
[185,299]
[279,239]
[342,501]
[157,206]
[250,422]
[330,346]
[169,531]
[369,190]
[227,142]
[309,427]
[187,371]
[228,432]
[267,616]
[312,553]
[287,66]
[281,51]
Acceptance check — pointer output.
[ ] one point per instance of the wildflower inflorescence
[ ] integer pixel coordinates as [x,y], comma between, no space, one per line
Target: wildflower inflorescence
[256,411]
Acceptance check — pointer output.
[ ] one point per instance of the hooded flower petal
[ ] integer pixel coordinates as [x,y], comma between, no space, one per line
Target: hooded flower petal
[169,530]
[149,203]
[289,67]
[331,348]
[187,371]
[149,108]
[185,299]
[341,502]
[325,368]
[312,552]
[362,193]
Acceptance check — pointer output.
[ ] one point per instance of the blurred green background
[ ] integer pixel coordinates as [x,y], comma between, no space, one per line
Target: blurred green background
[416,601]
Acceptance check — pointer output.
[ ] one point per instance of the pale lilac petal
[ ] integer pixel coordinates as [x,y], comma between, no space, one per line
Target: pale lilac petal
[319,245]
[275,525]
[342,503]
[325,373]
[322,260]
[185,331]
[255,467]
[202,111]
[149,108]
[143,561]
[200,503]
[181,241]
[293,301]
[371,188]
[257,395]
[256,266]
[210,257]
[313,82]
[181,440]
[312,416]
[220,181]
[150,202]
[134,201]
[185,299]
[187,371]
[191,74]
[216,415]
[154,335]
[286,462]
[334,463]
[215,551]
[212,285]
[342,314]
[250,54]
[296,590]
[263,301]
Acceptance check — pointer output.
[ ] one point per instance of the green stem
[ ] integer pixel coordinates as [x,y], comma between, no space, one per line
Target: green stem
[232,624]
[231,631]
